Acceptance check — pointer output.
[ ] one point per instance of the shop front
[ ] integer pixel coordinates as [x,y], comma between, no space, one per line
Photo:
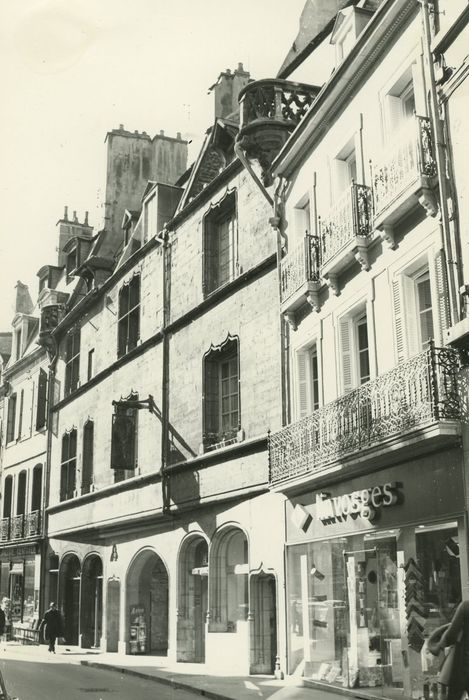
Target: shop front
[19,583]
[374,565]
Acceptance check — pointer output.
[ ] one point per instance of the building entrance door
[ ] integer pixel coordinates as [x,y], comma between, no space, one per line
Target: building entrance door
[264,630]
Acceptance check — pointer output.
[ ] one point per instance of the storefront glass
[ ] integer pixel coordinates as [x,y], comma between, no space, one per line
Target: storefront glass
[362,606]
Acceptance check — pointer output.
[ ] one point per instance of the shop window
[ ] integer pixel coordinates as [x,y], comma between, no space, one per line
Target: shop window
[68,466]
[220,244]
[229,593]
[88,447]
[41,406]
[354,350]
[307,381]
[124,438]
[36,494]
[129,316]
[11,419]
[7,497]
[420,307]
[221,398]
[21,494]
[72,361]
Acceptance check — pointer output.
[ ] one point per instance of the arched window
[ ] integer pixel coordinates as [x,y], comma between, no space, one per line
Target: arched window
[221,397]
[21,495]
[129,316]
[88,447]
[37,488]
[68,465]
[72,361]
[7,497]
[229,570]
[220,244]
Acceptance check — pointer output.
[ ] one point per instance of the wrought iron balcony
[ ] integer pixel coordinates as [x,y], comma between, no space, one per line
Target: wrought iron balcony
[33,524]
[405,171]
[17,527]
[421,391]
[5,529]
[269,111]
[299,275]
[345,231]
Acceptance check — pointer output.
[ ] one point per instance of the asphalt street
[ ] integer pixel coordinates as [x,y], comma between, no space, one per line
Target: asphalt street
[46,680]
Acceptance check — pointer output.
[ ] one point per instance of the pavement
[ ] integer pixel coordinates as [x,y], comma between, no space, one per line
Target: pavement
[181,676]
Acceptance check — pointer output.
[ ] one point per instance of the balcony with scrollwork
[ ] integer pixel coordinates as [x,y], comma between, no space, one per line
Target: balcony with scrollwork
[404,175]
[412,408]
[20,527]
[269,111]
[17,527]
[299,277]
[32,526]
[345,232]
[4,529]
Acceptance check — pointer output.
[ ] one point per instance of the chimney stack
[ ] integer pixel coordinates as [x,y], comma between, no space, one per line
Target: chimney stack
[227,89]
[65,213]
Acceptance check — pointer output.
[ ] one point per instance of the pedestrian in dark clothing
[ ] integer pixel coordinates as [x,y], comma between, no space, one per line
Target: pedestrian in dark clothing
[457,633]
[2,621]
[53,626]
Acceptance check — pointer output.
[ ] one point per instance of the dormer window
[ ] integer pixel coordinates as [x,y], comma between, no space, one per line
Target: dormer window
[348,26]
[71,264]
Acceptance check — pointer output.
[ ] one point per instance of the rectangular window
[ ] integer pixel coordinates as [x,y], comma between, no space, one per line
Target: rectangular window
[41,400]
[72,361]
[90,363]
[20,415]
[354,350]
[18,344]
[424,308]
[129,316]
[68,466]
[11,418]
[307,381]
[399,103]
[220,244]
[221,398]
[88,450]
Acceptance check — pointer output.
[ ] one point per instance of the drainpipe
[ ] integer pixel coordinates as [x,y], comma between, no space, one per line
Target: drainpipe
[165,374]
[447,244]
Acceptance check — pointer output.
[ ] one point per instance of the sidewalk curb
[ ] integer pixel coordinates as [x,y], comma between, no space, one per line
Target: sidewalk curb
[176,684]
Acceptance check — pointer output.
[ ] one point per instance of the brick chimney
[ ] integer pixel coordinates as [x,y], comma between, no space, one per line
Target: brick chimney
[227,89]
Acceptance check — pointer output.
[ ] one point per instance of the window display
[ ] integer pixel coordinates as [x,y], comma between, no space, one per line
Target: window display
[361,607]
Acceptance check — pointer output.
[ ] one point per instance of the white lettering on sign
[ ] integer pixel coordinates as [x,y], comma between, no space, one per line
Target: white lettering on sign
[365,503]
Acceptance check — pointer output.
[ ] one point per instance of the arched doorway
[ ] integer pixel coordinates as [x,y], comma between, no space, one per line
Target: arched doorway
[91,608]
[192,600]
[263,597]
[69,592]
[113,614]
[229,568]
[147,605]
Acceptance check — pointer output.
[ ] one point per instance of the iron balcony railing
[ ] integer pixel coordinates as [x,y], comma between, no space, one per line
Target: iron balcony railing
[349,217]
[17,527]
[299,266]
[5,529]
[410,155]
[275,100]
[32,523]
[422,390]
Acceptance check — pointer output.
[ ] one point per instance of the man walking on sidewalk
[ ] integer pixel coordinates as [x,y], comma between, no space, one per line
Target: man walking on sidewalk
[53,626]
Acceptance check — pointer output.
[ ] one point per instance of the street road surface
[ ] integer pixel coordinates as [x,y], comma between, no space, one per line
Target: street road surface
[46,680]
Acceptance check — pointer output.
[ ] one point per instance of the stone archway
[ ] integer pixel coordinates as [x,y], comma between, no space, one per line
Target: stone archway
[147,605]
[69,596]
[91,608]
[192,600]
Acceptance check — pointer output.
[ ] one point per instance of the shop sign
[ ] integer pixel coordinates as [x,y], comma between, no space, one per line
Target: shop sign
[364,503]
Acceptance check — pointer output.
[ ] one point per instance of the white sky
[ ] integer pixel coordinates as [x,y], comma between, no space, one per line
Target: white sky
[71,70]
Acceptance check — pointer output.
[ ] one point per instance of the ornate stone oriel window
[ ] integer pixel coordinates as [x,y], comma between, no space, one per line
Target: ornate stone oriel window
[129,316]
[220,244]
[68,465]
[221,397]
[72,361]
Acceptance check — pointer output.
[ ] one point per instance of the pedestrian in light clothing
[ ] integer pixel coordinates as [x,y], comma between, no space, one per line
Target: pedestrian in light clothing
[53,625]
[454,673]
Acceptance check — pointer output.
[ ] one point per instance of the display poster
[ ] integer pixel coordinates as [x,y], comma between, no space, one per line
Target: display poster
[138,630]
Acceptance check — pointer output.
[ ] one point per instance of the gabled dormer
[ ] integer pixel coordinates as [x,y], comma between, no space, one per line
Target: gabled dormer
[348,25]
[49,276]
[76,251]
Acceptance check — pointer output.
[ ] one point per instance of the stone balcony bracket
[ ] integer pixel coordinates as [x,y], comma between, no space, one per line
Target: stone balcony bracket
[291,320]
[312,296]
[388,237]
[428,200]
[361,253]
[332,281]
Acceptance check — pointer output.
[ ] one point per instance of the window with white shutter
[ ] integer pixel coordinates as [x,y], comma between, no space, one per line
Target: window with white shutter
[354,349]
[307,381]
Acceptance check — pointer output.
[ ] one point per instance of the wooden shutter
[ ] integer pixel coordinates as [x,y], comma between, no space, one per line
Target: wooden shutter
[211,399]
[11,418]
[87,467]
[340,177]
[411,319]
[41,399]
[303,383]
[440,297]
[346,353]
[393,115]
[419,88]
[20,417]
[399,320]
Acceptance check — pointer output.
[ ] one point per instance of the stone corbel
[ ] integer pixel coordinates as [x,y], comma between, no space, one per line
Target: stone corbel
[428,201]
[312,297]
[361,255]
[290,318]
[333,283]
[387,235]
